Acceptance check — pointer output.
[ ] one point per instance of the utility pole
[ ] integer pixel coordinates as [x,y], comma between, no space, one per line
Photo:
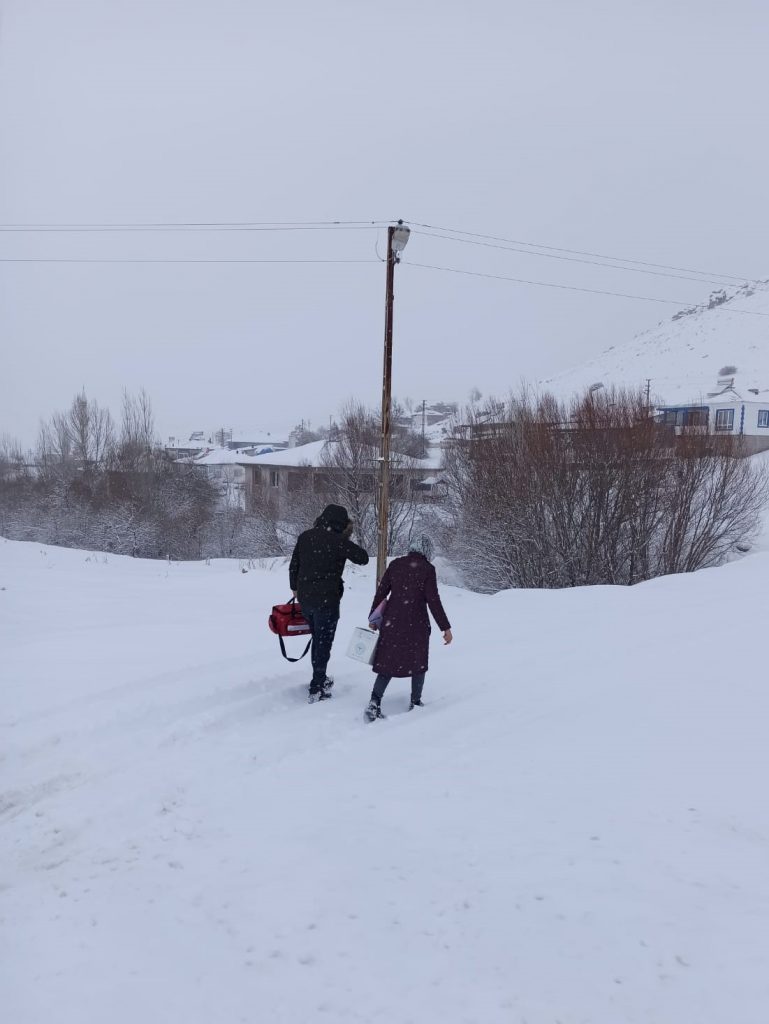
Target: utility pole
[397,236]
[648,393]
[424,446]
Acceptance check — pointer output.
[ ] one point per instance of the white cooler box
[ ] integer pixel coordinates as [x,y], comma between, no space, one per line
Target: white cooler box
[362,645]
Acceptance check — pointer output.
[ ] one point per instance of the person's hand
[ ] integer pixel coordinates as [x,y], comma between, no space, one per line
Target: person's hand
[374,626]
[294,593]
[347,532]
[447,637]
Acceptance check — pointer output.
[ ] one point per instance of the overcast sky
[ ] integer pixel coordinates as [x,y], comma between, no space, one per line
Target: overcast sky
[633,129]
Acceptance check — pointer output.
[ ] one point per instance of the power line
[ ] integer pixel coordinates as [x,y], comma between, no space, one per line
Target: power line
[191,226]
[569,259]
[571,255]
[35,259]
[567,287]
[580,252]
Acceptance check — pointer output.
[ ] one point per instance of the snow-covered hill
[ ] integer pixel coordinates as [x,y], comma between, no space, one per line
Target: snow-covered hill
[574,829]
[683,356]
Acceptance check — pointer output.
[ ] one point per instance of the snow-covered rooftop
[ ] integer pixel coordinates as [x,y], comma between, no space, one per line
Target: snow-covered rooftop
[244,436]
[681,396]
[314,454]
[303,455]
[222,457]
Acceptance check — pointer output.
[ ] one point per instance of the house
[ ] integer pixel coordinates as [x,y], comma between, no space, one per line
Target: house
[249,440]
[227,469]
[185,447]
[311,466]
[246,438]
[725,412]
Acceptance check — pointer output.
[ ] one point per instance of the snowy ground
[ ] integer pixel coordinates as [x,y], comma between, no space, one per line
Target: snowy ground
[574,830]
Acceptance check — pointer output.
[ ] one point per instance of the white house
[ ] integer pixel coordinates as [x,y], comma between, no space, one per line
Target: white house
[227,470]
[726,412]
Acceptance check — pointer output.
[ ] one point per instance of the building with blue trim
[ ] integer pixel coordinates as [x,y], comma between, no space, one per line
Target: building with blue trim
[726,412]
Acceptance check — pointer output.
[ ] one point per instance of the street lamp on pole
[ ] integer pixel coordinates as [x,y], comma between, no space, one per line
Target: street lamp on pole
[397,237]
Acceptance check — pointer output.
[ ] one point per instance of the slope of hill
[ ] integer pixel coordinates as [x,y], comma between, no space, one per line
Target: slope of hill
[574,829]
[683,356]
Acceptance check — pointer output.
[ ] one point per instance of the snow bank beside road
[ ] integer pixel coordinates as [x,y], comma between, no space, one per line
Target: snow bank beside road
[574,829]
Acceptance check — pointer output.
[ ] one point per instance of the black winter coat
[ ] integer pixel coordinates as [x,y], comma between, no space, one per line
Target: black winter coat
[318,561]
[411,587]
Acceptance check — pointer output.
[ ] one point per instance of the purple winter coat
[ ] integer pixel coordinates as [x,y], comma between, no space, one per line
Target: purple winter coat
[404,636]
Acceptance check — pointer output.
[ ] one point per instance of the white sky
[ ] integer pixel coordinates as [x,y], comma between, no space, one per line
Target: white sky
[626,128]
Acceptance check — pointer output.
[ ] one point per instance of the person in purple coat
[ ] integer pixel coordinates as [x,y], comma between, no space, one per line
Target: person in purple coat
[410,587]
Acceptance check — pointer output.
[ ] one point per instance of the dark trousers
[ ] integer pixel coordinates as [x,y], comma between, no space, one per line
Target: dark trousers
[323,622]
[381,682]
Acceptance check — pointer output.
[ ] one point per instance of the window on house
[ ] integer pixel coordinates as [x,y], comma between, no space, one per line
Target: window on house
[670,417]
[763,417]
[724,419]
[294,481]
[274,478]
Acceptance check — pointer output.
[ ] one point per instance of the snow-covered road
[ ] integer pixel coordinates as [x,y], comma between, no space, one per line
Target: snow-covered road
[574,829]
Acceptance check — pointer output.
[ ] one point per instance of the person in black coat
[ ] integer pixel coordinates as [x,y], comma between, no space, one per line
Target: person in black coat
[315,576]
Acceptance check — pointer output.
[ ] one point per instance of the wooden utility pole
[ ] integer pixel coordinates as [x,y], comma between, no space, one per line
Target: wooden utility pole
[397,236]
[384,448]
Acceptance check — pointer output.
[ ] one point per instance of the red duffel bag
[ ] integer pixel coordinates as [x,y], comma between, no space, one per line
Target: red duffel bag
[287,620]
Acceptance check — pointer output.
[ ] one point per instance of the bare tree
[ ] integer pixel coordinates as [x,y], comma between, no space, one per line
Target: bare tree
[12,462]
[138,439]
[349,476]
[91,432]
[546,495]
[79,440]
[122,495]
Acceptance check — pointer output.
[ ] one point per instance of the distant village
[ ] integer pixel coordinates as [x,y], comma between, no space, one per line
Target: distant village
[245,464]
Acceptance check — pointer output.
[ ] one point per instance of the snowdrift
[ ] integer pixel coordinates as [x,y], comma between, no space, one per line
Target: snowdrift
[575,828]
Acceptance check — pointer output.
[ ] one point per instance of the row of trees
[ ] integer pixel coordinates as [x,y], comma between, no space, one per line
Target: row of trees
[552,494]
[95,483]
[541,493]
[100,484]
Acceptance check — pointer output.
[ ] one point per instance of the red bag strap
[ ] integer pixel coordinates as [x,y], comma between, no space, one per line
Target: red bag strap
[294,615]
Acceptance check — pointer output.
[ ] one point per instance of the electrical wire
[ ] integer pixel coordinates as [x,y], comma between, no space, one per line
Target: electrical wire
[428,230]
[568,287]
[449,234]
[570,259]
[36,259]
[186,227]
[580,252]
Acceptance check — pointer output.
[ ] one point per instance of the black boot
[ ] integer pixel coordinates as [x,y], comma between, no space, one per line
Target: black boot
[373,711]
